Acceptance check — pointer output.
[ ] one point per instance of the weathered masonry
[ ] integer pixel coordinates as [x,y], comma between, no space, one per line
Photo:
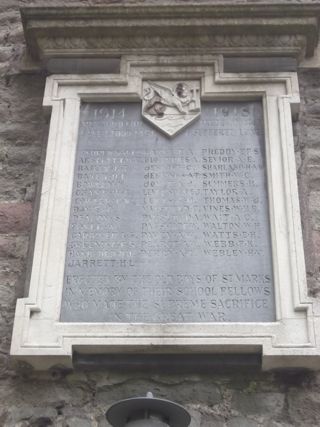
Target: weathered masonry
[169,217]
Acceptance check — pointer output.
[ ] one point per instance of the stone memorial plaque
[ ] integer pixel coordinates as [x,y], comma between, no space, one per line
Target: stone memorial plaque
[169,230]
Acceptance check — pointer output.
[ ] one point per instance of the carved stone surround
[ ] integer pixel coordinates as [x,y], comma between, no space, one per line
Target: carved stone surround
[292,341]
[195,32]
[247,29]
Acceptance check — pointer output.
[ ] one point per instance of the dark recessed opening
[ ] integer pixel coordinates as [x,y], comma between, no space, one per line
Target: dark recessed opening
[83,65]
[169,363]
[259,64]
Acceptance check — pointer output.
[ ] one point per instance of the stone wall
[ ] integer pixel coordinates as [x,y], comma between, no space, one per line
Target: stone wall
[80,398]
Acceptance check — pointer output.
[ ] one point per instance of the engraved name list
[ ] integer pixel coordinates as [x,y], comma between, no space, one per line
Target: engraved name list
[169,231]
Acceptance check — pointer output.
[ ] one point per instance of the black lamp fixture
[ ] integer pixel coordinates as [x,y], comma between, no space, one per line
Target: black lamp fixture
[147,412]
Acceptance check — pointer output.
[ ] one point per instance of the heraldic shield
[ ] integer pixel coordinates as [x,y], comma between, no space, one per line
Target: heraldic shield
[171,105]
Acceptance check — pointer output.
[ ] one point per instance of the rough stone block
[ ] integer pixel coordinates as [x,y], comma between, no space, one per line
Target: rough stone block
[313,135]
[78,422]
[314,177]
[15,217]
[304,407]
[258,403]
[13,246]
[33,416]
[314,203]
[314,156]
[241,422]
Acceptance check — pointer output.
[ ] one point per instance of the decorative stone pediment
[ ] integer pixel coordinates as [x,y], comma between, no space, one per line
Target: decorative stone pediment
[288,29]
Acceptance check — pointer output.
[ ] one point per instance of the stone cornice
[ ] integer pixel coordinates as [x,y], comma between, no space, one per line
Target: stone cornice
[254,29]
